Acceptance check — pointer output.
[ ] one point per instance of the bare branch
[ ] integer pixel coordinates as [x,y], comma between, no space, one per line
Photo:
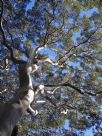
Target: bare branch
[52,92]
[49,61]
[81,91]
[37,50]
[65,84]
[32,111]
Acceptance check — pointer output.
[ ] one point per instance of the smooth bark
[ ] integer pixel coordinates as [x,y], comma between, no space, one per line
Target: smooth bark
[11,112]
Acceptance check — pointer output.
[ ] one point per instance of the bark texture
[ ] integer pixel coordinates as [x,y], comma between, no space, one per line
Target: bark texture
[11,112]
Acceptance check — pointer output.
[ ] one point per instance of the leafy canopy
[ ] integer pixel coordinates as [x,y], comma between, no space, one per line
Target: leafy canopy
[72,32]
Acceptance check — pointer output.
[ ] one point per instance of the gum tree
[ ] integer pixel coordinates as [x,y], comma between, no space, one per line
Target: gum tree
[50,51]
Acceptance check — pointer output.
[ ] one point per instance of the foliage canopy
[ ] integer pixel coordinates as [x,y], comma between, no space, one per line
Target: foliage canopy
[72,33]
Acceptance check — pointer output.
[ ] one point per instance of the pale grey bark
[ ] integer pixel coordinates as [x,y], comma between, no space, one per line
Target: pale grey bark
[11,112]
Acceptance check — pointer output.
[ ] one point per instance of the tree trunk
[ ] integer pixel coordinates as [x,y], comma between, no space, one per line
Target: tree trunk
[11,112]
[15,131]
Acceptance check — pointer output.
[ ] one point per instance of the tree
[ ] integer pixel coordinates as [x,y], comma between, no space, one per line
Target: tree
[52,51]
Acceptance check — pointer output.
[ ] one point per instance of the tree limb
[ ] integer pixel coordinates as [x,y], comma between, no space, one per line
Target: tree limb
[81,91]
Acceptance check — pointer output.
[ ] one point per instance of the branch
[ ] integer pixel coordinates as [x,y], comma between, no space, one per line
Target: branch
[36,60]
[73,87]
[4,38]
[65,84]
[52,92]
[33,54]
[74,47]
[5,64]
[38,49]
[32,111]
[13,44]
[49,61]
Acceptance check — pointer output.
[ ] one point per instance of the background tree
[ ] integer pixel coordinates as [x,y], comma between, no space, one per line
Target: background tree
[69,64]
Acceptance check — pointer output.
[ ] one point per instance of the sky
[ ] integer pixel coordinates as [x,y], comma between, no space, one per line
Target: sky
[88,14]
[30,5]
